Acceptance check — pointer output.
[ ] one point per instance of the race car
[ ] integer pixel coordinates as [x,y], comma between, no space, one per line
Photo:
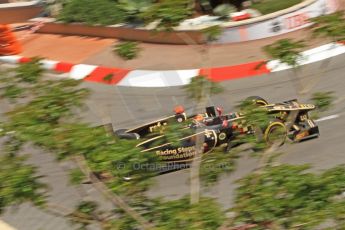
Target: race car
[291,116]
[288,119]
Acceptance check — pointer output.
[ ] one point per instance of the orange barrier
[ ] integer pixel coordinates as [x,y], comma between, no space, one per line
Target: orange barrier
[8,42]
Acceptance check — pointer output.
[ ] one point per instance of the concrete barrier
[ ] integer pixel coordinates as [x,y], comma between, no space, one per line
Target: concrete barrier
[19,11]
[120,32]
[281,22]
[284,21]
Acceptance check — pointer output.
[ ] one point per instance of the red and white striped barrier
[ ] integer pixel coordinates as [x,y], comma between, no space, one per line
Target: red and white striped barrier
[168,78]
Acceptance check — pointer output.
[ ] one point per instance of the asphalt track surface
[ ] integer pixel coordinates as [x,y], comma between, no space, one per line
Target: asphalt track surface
[127,107]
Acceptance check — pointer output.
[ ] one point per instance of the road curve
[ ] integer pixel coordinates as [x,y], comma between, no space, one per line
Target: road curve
[126,107]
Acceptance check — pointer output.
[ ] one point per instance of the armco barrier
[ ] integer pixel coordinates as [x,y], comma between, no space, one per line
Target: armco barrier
[169,78]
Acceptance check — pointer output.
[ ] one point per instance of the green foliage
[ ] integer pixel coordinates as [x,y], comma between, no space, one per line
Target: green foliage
[200,87]
[215,164]
[12,92]
[102,12]
[323,100]
[133,8]
[76,176]
[270,6]
[109,77]
[54,100]
[87,207]
[122,160]
[177,214]
[180,214]
[112,160]
[173,133]
[255,115]
[224,10]
[143,205]
[330,26]
[257,119]
[287,196]
[212,33]
[168,13]
[19,82]
[18,182]
[84,213]
[46,121]
[285,50]
[30,72]
[127,50]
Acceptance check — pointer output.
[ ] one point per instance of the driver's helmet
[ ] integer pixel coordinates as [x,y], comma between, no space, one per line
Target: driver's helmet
[199,120]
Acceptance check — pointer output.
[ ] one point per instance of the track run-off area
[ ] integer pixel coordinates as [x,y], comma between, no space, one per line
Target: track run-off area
[129,106]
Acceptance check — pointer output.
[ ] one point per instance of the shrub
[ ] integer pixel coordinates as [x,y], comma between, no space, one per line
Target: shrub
[169,13]
[103,12]
[224,10]
[127,50]
[133,8]
[323,100]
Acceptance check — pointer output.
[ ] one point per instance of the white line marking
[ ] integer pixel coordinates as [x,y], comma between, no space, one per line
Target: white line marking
[328,118]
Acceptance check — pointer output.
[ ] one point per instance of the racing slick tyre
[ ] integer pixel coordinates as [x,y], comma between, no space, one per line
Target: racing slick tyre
[275,133]
[257,100]
[122,134]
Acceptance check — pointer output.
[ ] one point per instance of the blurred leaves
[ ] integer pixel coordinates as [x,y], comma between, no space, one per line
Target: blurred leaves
[323,100]
[254,115]
[256,119]
[19,182]
[30,72]
[168,13]
[127,50]
[178,214]
[224,10]
[286,51]
[21,80]
[92,12]
[212,33]
[76,176]
[330,26]
[173,133]
[200,87]
[216,164]
[288,196]
[133,8]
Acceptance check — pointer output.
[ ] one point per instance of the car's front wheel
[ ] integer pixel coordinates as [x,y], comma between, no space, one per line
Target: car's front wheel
[275,133]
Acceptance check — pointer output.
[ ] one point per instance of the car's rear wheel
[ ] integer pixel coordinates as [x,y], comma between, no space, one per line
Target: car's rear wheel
[257,100]
[275,133]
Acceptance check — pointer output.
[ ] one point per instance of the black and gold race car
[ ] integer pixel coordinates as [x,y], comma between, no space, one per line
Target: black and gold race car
[288,119]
